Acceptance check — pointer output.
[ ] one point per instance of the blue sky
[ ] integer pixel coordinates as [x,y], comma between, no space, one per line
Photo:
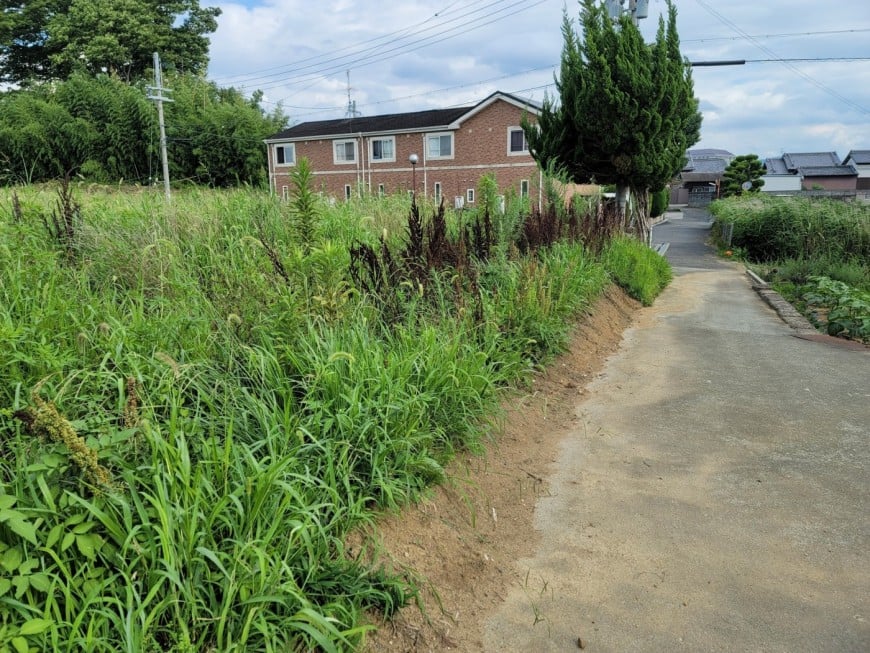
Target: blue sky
[408,55]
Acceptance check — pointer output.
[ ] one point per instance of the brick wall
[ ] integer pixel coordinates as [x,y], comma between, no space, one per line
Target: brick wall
[480,146]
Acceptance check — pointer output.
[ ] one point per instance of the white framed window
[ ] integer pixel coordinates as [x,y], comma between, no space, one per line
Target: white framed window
[382,190]
[285,154]
[344,152]
[439,146]
[469,196]
[285,193]
[524,188]
[517,143]
[438,192]
[347,191]
[382,149]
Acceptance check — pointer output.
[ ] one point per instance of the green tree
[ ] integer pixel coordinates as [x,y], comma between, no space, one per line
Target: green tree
[625,112]
[103,129]
[216,134]
[50,39]
[742,169]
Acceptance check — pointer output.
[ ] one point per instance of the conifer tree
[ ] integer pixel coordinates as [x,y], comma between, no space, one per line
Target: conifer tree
[742,169]
[625,112]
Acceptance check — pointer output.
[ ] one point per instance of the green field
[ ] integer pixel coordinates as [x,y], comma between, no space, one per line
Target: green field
[200,401]
[816,253]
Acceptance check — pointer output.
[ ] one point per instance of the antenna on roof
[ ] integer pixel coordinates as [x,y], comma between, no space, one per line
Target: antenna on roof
[351,104]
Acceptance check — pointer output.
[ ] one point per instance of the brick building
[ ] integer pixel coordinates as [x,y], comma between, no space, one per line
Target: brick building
[454,147]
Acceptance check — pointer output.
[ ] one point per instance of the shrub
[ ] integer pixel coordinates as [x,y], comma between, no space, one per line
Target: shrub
[642,272]
[660,201]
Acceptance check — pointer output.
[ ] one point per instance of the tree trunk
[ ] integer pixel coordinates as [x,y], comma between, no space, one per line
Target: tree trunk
[622,193]
[639,223]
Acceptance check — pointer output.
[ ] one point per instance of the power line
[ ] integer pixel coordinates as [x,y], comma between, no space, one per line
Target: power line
[294,70]
[784,62]
[397,51]
[807,59]
[774,36]
[253,75]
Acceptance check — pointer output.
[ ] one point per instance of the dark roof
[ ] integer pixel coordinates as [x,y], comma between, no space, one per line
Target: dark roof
[709,167]
[776,166]
[370,124]
[706,165]
[414,121]
[798,160]
[709,154]
[829,171]
[860,157]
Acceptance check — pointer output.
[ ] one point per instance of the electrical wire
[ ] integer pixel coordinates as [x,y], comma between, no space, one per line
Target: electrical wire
[294,71]
[777,57]
[397,51]
[775,36]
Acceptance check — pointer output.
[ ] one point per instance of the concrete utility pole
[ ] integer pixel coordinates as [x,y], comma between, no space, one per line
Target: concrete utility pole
[156,93]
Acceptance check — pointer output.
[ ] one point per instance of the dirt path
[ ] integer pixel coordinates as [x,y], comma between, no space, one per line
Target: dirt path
[466,538]
[706,490]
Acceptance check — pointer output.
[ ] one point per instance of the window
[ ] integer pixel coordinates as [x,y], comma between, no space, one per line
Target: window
[438,192]
[383,149]
[285,193]
[347,191]
[285,155]
[439,146]
[344,151]
[469,196]
[381,190]
[524,188]
[517,143]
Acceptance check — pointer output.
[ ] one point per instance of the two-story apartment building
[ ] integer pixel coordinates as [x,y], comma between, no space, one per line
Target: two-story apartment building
[452,149]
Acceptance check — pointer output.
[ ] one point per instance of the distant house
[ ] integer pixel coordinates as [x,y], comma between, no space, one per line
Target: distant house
[816,170]
[860,160]
[778,179]
[701,178]
[454,147]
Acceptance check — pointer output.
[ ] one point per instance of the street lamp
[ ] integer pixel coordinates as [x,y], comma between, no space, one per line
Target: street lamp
[413,159]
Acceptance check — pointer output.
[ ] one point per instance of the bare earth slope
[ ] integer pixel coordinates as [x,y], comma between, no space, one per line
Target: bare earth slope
[465,540]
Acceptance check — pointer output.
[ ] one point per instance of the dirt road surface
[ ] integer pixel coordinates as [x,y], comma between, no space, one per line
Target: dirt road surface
[704,485]
[715,494]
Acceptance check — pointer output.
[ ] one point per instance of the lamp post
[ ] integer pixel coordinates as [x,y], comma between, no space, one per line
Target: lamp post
[413,159]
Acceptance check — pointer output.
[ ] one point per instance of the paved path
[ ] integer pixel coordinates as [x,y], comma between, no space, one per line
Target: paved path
[715,494]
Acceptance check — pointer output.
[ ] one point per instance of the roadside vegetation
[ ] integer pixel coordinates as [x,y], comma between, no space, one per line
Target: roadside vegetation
[816,253]
[199,401]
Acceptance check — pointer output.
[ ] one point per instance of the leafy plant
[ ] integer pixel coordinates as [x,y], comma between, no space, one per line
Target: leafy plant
[846,309]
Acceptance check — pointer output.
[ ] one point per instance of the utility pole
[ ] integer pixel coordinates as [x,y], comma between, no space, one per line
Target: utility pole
[156,93]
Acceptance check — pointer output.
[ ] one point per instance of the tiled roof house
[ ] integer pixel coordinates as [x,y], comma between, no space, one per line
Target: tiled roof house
[860,160]
[454,147]
[815,169]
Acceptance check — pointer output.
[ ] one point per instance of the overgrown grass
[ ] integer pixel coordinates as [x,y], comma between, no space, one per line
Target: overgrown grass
[781,228]
[249,406]
[642,272]
[793,242]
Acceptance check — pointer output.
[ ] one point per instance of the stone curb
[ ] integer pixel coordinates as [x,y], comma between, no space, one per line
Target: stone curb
[786,311]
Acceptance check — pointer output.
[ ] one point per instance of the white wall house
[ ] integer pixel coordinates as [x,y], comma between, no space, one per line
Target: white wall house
[860,160]
[781,183]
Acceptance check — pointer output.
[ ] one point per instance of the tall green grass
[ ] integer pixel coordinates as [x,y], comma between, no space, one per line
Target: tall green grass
[805,248]
[777,228]
[250,406]
[642,272]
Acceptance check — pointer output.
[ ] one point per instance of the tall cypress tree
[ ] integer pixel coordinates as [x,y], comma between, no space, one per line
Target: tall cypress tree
[626,111]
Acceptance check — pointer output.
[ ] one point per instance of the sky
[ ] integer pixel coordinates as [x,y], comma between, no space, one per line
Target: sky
[411,55]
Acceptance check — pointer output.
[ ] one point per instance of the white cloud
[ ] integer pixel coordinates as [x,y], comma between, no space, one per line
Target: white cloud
[401,52]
